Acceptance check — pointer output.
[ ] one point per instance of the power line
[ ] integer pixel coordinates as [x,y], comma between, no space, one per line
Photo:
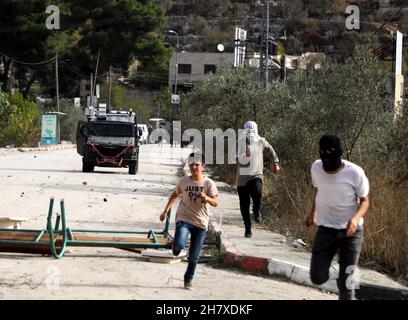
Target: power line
[28,63]
[390,19]
[74,70]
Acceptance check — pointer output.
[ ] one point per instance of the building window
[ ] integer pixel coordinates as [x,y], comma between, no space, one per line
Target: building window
[184,68]
[210,68]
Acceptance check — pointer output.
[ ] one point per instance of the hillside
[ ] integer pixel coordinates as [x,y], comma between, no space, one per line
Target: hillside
[309,25]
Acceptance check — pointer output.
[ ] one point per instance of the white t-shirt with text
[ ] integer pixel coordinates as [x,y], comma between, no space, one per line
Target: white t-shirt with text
[337,194]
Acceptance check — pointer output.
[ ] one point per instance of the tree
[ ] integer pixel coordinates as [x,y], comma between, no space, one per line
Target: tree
[214,101]
[208,8]
[163,107]
[123,31]
[126,98]
[345,99]
[19,120]
[326,7]
[24,36]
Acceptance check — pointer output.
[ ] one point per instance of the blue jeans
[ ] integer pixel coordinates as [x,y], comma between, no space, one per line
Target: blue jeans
[183,229]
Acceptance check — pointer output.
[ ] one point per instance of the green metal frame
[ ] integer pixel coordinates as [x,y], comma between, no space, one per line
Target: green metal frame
[68,238]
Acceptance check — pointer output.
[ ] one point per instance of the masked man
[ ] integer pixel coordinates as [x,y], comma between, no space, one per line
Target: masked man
[341,201]
[250,172]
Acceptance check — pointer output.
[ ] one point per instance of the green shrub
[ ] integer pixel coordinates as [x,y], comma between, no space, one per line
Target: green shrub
[19,121]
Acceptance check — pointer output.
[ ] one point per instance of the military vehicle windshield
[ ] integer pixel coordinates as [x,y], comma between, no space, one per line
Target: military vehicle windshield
[109,129]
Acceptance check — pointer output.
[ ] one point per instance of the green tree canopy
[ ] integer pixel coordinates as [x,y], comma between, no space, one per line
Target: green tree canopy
[123,32]
[24,37]
[19,120]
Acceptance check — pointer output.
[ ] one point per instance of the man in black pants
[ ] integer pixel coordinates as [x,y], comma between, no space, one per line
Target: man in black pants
[341,201]
[250,172]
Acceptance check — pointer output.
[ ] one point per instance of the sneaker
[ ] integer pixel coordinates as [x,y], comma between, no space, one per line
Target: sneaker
[258,219]
[188,284]
[248,233]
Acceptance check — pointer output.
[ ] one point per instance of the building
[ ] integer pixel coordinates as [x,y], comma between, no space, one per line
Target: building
[195,66]
[306,61]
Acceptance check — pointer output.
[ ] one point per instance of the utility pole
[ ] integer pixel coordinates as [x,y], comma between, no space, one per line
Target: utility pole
[110,87]
[399,78]
[176,65]
[267,46]
[96,72]
[11,75]
[90,92]
[263,58]
[57,98]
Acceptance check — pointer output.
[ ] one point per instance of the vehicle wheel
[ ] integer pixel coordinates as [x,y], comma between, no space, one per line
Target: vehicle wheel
[133,168]
[87,167]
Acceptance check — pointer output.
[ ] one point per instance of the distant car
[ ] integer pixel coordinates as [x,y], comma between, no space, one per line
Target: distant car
[145,134]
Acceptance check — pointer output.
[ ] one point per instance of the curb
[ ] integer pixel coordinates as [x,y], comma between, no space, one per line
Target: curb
[300,275]
[245,263]
[51,148]
[293,273]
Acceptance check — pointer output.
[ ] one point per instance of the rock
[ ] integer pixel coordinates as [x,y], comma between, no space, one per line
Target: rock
[105,200]
[84,183]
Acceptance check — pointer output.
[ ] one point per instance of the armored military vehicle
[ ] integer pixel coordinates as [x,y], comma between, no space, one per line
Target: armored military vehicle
[108,139]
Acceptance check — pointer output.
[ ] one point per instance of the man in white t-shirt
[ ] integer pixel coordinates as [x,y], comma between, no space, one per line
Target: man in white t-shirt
[341,201]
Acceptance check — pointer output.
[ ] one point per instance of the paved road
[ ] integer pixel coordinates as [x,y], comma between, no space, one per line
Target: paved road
[29,179]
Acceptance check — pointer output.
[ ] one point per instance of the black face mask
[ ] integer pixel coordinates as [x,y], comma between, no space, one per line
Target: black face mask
[330,152]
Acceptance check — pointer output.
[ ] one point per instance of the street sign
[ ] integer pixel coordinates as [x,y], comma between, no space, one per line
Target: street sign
[175,99]
[49,129]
